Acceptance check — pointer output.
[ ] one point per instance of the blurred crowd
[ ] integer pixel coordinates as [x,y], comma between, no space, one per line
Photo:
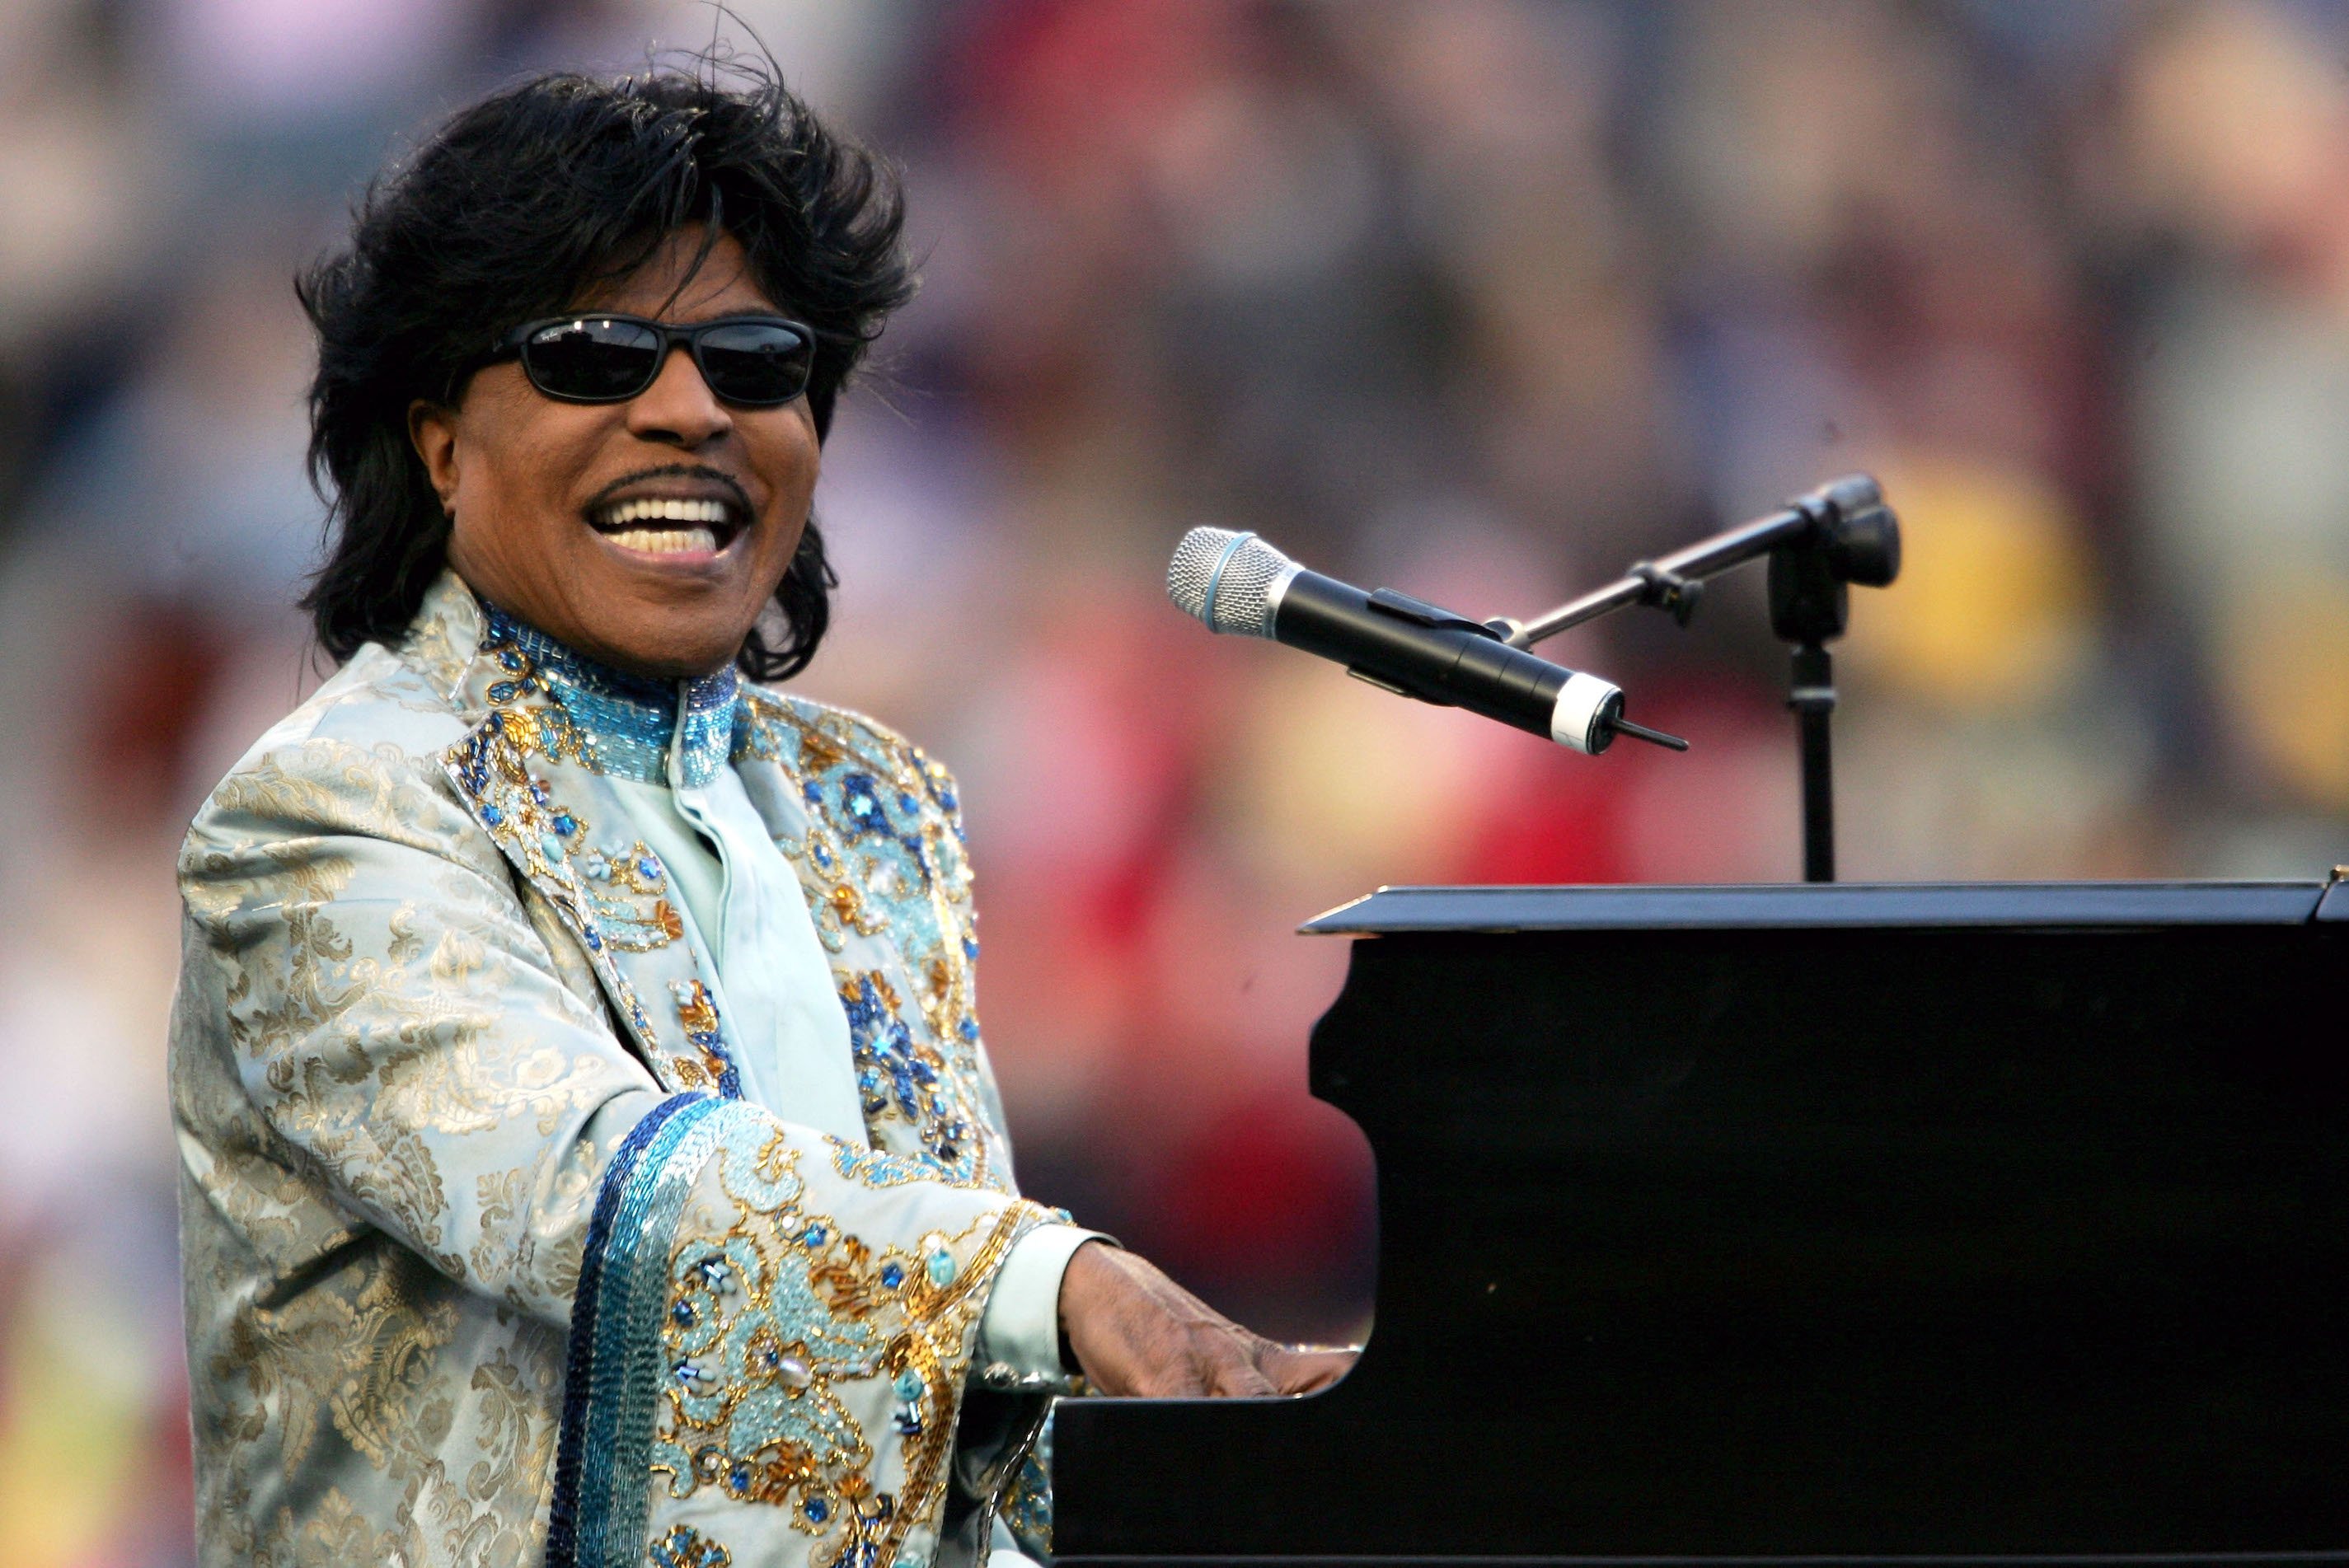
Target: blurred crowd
[1482,300]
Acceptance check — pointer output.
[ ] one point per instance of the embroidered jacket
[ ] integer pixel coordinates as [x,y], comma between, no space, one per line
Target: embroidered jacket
[486,1257]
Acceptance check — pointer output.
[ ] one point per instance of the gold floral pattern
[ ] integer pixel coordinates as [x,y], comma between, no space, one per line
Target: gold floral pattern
[683,1546]
[768,1322]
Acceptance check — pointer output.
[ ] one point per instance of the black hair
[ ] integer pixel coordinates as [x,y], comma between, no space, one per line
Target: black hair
[510,211]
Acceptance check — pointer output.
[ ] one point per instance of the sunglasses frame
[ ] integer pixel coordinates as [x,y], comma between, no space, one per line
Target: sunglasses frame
[515,344]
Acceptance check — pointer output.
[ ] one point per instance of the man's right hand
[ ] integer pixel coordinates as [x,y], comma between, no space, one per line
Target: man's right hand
[1134,1331]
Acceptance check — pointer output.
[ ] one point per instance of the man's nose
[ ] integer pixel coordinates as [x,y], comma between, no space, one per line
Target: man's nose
[678,407]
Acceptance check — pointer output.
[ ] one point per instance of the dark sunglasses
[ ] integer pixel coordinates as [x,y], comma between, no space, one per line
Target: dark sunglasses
[758,361]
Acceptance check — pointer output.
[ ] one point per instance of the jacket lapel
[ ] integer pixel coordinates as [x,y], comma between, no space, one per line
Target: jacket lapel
[526,772]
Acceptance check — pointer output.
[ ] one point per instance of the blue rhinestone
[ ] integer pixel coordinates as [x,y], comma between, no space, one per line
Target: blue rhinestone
[969,1030]
[492,816]
[594,940]
[740,1477]
[817,1508]
[682,1315]
[906,802]
[941,1266]
[815,1235]
[649,868]
[814,791]
[565,823]
[538,791]
[510,659]
[892,1276]
[970,946]
[822,855]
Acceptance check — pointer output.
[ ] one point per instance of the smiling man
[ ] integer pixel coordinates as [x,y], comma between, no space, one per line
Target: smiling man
[589,1154]
[637,484]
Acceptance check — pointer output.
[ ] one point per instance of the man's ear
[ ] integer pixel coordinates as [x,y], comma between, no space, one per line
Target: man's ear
[432,431]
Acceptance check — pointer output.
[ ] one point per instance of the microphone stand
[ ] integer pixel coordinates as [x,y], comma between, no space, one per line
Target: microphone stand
[1818,545]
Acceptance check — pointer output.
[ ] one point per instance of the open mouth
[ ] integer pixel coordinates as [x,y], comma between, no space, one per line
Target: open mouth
[657,525]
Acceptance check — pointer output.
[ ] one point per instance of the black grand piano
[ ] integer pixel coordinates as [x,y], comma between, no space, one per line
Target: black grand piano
[1955,1223]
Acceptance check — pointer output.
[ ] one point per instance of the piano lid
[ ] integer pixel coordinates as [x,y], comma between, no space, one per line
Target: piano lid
[2046,906]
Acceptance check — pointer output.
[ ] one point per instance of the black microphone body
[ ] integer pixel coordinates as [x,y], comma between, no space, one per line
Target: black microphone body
[1418,651]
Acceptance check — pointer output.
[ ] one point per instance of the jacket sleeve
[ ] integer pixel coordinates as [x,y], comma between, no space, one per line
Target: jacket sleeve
[768,1330]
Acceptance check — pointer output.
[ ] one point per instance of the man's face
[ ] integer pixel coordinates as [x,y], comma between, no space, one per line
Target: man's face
[540,491]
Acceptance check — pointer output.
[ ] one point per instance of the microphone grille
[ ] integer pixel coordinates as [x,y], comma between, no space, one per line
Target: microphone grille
[1226,579]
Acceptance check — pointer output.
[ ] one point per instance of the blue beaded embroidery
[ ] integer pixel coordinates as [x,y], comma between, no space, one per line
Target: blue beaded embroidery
[898,1078]
[607,1394]
[683,1546]
[628,721]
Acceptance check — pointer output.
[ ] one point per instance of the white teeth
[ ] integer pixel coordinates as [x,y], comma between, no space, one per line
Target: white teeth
[662,511]
[664,540]
[662,526]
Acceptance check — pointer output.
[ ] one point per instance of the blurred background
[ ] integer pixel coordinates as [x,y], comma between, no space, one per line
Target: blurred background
[1481,300]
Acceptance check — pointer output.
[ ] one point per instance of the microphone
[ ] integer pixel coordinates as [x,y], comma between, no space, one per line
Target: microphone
[1237,583]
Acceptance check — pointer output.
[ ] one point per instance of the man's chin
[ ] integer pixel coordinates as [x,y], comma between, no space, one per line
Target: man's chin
[665,636]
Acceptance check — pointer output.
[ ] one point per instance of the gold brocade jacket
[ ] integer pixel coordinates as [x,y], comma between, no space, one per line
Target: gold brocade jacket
[487,1260]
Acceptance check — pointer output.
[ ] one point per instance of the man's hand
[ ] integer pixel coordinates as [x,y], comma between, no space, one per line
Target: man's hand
[1134,1331]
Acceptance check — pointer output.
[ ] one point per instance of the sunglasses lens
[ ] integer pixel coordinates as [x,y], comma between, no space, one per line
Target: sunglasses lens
[593,359]
[757,361]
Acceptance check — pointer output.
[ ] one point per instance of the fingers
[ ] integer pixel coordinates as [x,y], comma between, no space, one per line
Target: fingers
[1237,1365]
[1136,1332]
[1304,1369]
[1233,1374]
[1206,1365]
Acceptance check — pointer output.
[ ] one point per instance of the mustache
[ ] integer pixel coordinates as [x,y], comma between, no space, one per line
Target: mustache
[733,487]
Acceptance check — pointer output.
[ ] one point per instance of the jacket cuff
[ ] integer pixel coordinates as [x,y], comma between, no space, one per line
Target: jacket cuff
[1020,1334]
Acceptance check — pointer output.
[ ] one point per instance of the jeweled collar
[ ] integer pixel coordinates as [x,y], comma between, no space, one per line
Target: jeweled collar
[629,726]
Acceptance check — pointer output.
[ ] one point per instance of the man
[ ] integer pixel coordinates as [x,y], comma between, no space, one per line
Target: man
[588,1148]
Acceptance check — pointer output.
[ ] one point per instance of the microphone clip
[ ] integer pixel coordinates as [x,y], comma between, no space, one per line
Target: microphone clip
[1420,613]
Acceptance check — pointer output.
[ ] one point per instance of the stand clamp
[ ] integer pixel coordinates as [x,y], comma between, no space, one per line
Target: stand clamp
[1819,545]
[1666,591]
